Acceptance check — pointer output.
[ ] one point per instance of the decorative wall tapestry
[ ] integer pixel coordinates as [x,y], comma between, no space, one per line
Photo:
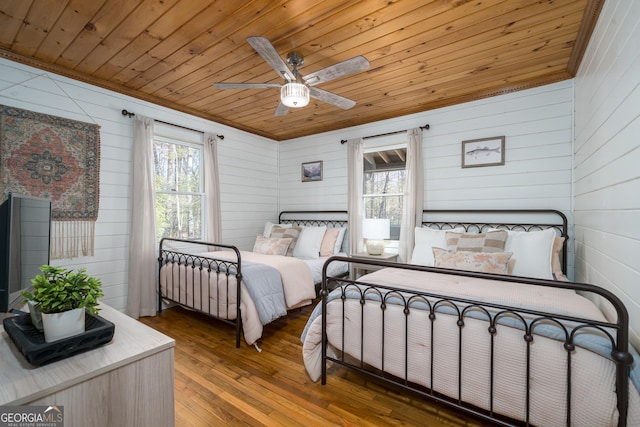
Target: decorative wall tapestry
[58,159]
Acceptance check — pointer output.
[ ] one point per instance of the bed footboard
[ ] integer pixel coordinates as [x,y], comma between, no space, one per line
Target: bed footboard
[190,278]
[457,350]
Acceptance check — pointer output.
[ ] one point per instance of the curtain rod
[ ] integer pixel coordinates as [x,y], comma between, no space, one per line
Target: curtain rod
[130,114]
[425,127]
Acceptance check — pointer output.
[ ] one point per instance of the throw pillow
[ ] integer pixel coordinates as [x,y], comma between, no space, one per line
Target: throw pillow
[483,262]
[271,245]
[289,232]
[268,226]
[556,265]
[491,241]
[329,242]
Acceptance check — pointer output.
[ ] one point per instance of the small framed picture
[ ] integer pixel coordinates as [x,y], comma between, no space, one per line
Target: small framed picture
[312,171]
[483,152]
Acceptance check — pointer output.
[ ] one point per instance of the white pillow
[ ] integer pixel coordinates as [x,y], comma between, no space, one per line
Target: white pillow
[425,240]
[269,225]
[532,252]
[309,242]
[338,247]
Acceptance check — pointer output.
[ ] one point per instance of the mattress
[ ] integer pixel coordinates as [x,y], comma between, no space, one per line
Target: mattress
[215,293]
[593,376]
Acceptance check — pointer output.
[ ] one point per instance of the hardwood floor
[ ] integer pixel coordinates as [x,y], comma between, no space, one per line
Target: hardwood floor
[218,384]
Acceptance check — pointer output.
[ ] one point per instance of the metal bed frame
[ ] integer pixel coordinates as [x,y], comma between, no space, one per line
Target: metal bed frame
[616,332]
[228,273]
[306,218]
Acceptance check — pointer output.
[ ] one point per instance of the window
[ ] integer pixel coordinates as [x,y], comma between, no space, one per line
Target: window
[384,177]
[179,186]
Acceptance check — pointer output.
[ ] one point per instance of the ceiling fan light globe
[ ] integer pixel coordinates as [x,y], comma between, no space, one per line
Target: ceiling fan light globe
[294,95]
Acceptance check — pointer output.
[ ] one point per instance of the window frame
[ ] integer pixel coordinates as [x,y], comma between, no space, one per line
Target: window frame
[378,146]
[173,135]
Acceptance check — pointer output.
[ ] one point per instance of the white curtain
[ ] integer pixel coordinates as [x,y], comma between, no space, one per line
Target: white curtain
[212,189]
[141,299]
[355,175]
[413,200]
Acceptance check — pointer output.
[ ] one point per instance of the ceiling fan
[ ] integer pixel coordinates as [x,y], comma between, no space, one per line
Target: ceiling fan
[297,89]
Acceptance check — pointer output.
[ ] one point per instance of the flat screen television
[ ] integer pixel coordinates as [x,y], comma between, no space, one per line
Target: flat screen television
[25,230]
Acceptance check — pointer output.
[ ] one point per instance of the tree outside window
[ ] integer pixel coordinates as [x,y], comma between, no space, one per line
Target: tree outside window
[384,180]
[179,189]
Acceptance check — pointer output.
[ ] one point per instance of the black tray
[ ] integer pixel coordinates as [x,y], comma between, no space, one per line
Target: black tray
[37,351]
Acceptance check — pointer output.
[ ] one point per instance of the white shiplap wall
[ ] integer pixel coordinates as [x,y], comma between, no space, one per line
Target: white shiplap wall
[248,166]
[607,155]
[537,124]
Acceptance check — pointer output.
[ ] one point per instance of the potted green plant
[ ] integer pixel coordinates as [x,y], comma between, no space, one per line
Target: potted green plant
[62,296]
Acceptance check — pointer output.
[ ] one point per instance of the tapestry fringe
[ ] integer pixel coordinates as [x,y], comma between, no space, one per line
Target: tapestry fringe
[70,238]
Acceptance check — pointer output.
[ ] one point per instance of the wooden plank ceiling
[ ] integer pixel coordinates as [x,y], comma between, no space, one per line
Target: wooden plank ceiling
[423,54]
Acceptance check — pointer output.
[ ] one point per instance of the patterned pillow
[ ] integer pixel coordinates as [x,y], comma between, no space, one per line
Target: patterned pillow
[491,241]
[289,232]
[271,245]
[496,262]
[268,226]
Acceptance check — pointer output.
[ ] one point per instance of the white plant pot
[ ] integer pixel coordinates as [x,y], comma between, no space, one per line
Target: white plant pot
[36,315]
[63,325]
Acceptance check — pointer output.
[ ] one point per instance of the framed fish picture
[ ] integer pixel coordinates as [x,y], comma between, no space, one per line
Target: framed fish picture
[483,152]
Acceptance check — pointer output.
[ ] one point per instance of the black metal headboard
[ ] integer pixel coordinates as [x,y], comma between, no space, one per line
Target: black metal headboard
[314,218]
[480,220]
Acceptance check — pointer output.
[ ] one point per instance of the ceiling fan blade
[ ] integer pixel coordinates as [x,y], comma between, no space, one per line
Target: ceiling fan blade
[331,98]
[281,110]
[246,85]
[350,66]
[264,47]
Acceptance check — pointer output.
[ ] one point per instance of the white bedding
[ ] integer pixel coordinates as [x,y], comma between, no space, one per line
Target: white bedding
[593,396]
[297,281]
[335,269]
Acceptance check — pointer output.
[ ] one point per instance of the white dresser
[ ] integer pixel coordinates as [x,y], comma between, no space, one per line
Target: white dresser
[126,382]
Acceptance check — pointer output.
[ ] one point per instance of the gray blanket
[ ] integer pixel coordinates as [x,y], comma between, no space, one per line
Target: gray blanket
[264,285]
